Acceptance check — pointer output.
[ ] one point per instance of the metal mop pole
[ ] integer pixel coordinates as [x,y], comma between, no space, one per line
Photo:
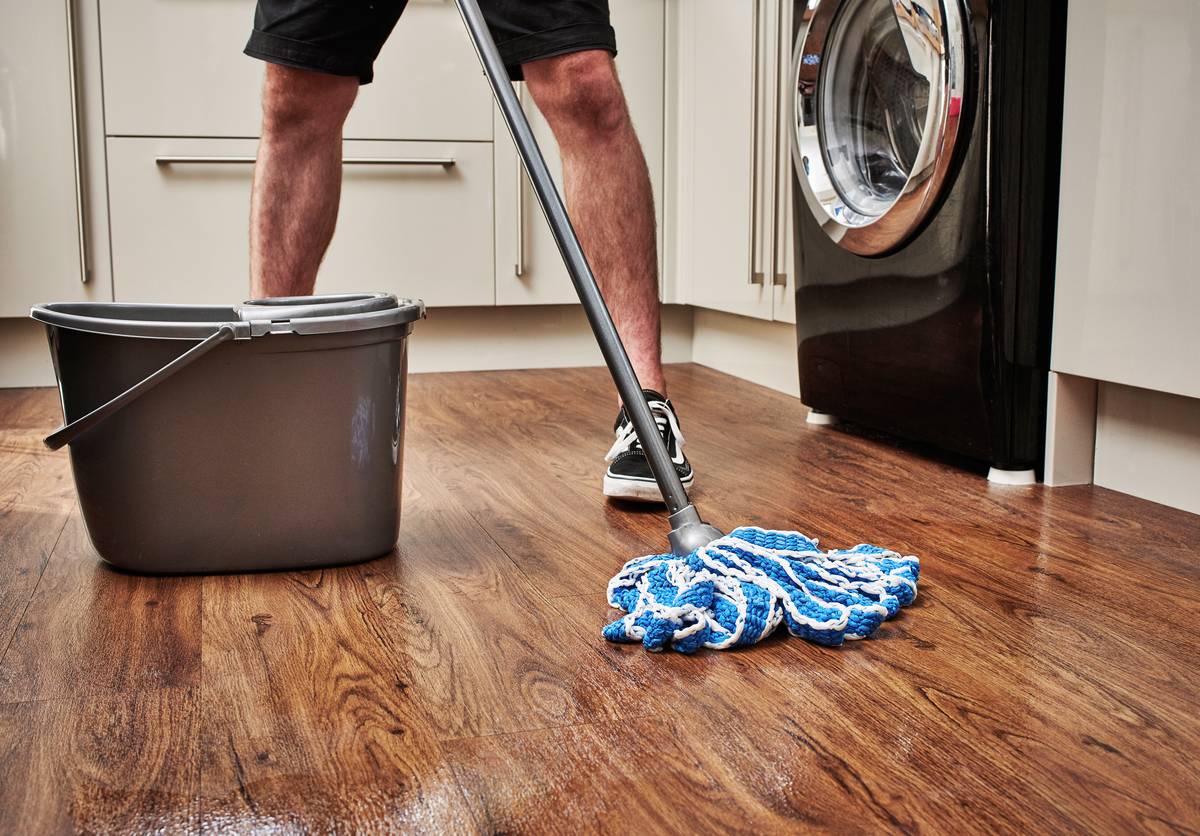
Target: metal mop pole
[688,532]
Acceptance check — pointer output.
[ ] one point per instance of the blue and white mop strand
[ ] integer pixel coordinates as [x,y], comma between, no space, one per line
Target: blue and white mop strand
[736,590]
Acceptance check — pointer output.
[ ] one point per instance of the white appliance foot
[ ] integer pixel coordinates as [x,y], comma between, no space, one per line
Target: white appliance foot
[821,419]
[1011,477]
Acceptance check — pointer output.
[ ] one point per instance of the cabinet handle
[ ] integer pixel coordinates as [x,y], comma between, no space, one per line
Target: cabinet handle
[442,162]
[519,267]
[756,273]
[77,145]
[782,148]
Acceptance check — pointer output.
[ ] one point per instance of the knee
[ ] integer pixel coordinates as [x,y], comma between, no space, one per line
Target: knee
[305,102]
[579,90]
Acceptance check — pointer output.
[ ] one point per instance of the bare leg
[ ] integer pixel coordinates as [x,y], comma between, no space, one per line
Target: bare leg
[298,178]
[608,193]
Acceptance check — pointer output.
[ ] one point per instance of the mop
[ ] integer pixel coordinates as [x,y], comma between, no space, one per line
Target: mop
[710,590]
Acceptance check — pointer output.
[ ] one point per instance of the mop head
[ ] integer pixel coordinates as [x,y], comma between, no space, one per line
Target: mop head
[736,590]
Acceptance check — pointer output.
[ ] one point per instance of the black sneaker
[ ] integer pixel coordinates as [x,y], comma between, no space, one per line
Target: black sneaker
[628,475]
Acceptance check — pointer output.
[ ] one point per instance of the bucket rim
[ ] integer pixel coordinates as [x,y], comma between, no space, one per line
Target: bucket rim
[327,314]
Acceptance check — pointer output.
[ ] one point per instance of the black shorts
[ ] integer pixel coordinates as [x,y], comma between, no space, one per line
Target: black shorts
[343,37]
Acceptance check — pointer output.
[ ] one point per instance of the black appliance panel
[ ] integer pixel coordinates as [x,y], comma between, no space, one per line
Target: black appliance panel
[945,339]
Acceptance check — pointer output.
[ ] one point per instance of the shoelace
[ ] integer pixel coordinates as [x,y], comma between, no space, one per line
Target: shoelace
[627,438]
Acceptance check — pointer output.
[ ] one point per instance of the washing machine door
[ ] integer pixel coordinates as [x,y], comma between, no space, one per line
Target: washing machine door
[879,88]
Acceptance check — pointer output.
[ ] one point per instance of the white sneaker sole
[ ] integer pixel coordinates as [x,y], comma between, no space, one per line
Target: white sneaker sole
[636,490]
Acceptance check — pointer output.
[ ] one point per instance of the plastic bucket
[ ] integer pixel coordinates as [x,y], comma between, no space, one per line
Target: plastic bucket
[209,439]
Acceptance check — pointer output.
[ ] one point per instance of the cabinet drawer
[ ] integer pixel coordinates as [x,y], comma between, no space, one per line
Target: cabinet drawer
[180,230]
[176,68]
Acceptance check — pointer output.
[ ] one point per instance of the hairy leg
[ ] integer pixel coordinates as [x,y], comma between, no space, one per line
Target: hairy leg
[608,193]
[298,178]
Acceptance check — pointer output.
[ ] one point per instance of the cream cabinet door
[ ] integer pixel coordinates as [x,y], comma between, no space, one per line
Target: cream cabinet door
[1127,288]
[180,209]
[724,146]
[529,269]
[40,211]
[176,68]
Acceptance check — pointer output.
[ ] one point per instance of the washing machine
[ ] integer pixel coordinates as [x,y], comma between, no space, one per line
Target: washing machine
[926,142]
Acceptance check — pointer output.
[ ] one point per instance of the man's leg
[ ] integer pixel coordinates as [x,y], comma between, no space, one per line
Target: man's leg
[612,207]
[608,193]
[298,178]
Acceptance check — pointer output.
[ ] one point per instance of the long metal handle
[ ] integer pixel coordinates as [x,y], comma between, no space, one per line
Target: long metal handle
[756,271]
[69,432]
[577,265]
[210,159]
[782,157]
[519,267]
[77,145]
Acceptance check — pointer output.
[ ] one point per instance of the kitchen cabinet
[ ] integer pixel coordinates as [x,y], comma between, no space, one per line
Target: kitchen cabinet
[528,268]
[734,178]
[183,105]
[176,68]
[416,221]
[44,251]
[1126,296]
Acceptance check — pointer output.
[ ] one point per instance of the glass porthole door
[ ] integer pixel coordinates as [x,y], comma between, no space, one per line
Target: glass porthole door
[879,88]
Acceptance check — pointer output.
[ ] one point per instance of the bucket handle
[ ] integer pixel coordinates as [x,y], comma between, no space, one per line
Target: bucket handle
[69,432]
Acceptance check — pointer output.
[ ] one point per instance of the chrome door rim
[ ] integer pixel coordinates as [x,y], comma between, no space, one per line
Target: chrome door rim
[942,24]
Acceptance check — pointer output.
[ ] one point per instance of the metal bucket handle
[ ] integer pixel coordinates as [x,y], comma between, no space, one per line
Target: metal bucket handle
[69,432]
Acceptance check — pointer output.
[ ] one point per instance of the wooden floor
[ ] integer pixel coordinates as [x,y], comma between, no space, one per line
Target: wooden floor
[1046,679]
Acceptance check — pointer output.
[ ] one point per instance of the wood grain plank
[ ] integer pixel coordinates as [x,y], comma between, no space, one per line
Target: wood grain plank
[1010,558]
[109,763]
[32,477]
[91,629]
[664,774]
[26,541]
[36,499]
[860,489]
[528,482]
[845,763]
[483,647]
[863,466]
[1043,681]
[29,409]
[308,722]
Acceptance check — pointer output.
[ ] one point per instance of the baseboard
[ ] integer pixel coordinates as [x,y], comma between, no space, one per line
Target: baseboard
[753,349]
[1148,445]
[24,355]
[525,337]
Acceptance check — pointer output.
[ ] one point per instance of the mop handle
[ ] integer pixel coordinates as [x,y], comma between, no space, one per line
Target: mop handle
[581,273]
